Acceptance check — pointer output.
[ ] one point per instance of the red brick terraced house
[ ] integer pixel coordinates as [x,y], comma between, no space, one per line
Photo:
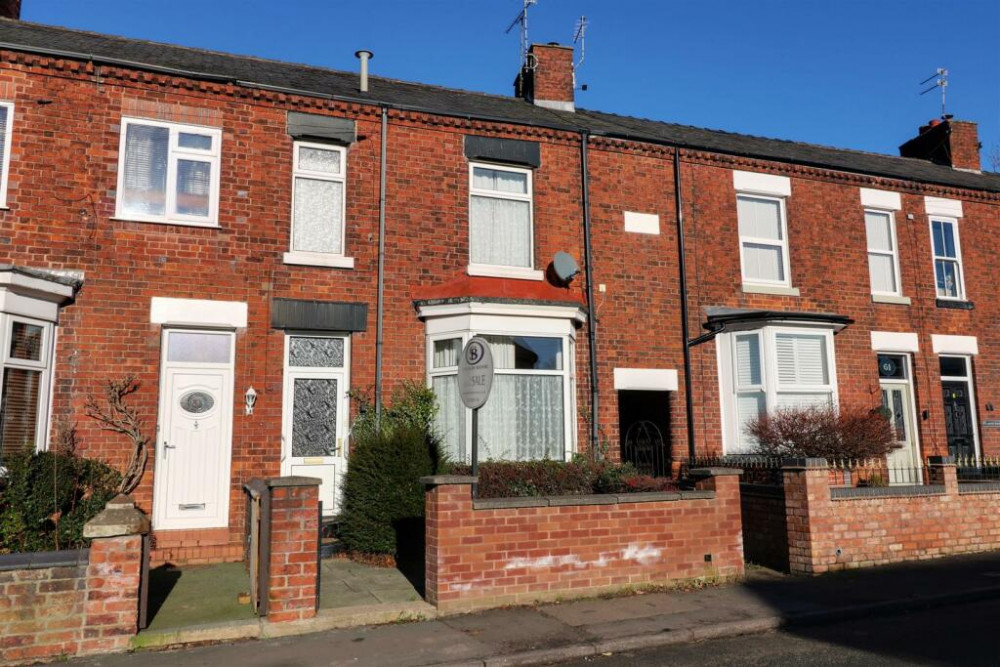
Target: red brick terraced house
[252,239]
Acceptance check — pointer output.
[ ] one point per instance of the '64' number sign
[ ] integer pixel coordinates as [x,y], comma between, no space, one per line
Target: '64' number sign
[475,373]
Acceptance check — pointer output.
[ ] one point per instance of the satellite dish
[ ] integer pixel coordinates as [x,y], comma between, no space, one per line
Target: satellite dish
[564,267]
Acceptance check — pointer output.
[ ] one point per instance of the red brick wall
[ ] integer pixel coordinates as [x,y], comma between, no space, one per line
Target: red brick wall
[293,569]
[491,557]
[877,530]
[553,73]
[72,610]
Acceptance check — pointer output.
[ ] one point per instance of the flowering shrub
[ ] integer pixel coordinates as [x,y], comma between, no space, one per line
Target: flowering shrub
[851,433]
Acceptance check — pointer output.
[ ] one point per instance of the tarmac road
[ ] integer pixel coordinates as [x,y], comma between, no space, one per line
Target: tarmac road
[967,634]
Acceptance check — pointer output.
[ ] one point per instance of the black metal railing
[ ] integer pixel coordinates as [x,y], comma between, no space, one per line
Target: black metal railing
[757,469]
[978,469]
[878,472]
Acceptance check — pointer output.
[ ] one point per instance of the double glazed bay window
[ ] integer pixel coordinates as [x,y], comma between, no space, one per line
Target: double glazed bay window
[526,415]
[883,254]
[500,217]
[947,259]
[318,205]
[771,369]
[24,392]
[168,173]
[763,240]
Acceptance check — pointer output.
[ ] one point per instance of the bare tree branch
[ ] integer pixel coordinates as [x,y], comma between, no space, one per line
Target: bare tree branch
[120,417]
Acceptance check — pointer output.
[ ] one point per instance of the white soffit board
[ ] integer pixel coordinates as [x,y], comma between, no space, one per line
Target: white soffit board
[890,341]
[889,201]
[198,312]
[642,223]
[762,184]
[938,206]
[645,379]
[954,344]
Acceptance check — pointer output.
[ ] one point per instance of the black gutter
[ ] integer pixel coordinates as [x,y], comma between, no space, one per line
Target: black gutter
[592,312]
[682,270]
[381,266]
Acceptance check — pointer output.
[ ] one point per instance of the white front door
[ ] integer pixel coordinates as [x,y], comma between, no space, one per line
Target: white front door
[314,415]
[897,401]
[194,440]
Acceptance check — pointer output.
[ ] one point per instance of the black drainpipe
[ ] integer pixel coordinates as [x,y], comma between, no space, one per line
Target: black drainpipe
[381,267]
[681,267]
[592,313]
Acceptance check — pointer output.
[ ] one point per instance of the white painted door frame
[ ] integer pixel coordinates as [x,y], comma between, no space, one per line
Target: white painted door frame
[901,458]
[169,370]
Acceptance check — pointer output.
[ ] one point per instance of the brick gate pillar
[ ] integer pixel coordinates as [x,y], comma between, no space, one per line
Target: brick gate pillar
[114,574]
[807,501]
[944,472]
[449,501]
[293,566]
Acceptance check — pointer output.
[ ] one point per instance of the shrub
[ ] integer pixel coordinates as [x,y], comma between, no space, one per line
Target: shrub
[383,502]
[519,479]
[852,433]
[47,497]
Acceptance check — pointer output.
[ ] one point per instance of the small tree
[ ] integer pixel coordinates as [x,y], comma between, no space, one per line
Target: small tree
[118,416]
[854,433]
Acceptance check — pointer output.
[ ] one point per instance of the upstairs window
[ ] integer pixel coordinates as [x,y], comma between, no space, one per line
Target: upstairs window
[500,220]
[763,240]
[6,126]
[947,259]
[168,173]
[883,254]
[318,205]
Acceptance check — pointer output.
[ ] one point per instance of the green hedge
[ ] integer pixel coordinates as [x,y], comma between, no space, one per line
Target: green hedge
[518,479]
[47,497]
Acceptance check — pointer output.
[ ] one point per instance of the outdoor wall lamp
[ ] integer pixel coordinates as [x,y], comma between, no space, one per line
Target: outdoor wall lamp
[250,399]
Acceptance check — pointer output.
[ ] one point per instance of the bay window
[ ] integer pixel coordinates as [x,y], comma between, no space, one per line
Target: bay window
[24,393]
[530,411]
[168,172]
[768,369]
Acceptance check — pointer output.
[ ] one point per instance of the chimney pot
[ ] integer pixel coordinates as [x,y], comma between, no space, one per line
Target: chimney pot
[364,57]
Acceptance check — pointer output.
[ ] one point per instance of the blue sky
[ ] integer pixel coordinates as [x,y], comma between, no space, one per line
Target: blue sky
[843,73]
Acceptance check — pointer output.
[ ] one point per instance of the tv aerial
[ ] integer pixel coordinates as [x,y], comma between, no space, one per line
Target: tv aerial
[942,82]
[522,20]
[580,37]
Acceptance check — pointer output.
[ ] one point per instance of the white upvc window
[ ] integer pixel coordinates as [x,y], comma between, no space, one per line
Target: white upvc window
[530,413]
[501,238]
[24,392]
[883,252]
[769,369]
[947,250]
[6,135]
[319,182]
[763,240]
[168,172]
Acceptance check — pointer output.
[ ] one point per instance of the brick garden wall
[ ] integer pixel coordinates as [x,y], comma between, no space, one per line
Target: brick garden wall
[765,528]
[508,551]
[905,524]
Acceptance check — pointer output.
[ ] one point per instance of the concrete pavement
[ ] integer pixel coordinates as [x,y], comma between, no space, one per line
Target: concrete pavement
[556,632]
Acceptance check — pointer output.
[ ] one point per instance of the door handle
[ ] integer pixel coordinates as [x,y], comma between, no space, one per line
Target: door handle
[166,447]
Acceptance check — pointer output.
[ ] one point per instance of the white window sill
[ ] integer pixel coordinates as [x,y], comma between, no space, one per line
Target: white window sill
[780,290]
[179,223]
[891,298]
[515,272]
[331,261]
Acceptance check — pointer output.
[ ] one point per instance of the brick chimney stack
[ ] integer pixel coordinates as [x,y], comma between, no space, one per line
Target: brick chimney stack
[548,80]
[10,9]
[950,142]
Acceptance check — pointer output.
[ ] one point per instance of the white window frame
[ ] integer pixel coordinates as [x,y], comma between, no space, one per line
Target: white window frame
[893,254]
[463,321]
[500,270]
[968,379]
[782,244]
[43,365]
[957,259]
[309,258]
[770,384]
[174,153]
[292,373]
[7,142]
